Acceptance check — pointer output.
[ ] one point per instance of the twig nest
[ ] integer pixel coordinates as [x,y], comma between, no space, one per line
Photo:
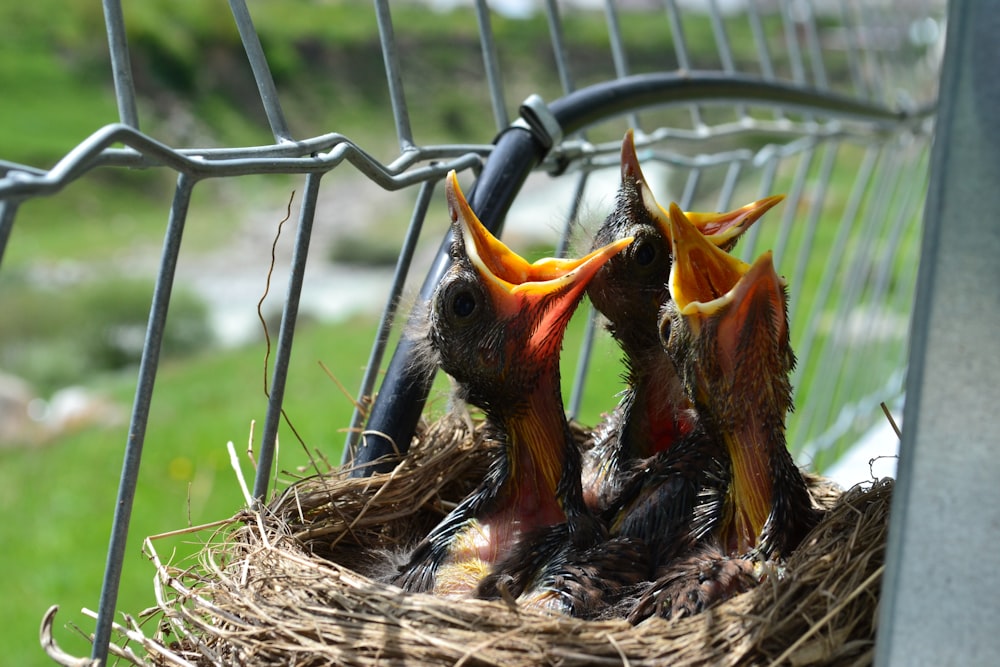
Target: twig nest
[292,585]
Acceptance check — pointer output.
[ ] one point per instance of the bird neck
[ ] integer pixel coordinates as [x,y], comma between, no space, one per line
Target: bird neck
[539,450]
[657,413]
[751,490]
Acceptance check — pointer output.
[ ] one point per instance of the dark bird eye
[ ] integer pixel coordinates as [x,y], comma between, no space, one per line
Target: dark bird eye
[664,329]
[463,304]
[645,253]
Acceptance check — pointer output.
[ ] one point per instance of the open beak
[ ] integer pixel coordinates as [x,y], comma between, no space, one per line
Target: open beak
[707,282]
[702,273]
[513,282]
[725,229]
[722,229]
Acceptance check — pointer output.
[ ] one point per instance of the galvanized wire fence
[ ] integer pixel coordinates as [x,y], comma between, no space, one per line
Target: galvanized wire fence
[828,102]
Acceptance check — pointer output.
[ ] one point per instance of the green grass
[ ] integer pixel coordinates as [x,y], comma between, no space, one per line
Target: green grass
[58,498]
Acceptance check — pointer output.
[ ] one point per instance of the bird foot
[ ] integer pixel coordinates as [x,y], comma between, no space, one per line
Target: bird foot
[695,584]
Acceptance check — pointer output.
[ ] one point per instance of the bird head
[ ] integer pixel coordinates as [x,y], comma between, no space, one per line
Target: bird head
[631,287]
[497,320]
[726,329]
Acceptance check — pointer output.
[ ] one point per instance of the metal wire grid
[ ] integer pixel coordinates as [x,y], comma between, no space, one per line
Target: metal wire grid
[810,123]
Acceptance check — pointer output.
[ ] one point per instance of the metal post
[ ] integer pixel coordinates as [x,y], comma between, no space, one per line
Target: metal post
[941,599]
[283,353]
[8,209]
[140,416]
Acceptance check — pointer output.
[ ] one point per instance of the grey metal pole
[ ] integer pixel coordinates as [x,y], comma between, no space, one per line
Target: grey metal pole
[940,597]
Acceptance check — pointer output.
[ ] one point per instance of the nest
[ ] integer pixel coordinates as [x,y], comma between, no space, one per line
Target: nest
[288,585]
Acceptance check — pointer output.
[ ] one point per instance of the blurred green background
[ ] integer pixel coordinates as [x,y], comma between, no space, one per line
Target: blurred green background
[76,279]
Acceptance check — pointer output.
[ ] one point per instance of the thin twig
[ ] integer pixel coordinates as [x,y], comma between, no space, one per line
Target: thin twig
[234,461]
[892,422]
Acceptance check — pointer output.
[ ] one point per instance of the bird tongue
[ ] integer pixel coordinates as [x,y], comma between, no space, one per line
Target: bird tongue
[725,228]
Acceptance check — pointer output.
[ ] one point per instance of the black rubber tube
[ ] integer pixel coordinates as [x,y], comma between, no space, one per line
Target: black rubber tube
[401,398]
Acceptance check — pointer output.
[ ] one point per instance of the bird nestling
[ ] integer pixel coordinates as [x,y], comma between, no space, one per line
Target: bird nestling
[630,290]
[495,325]
[726,330]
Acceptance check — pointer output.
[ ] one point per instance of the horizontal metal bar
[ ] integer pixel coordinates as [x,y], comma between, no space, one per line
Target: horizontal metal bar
[575,111]
[85,155]
[620,96]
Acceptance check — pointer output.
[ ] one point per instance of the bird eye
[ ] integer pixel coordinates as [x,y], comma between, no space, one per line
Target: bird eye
[645,253]
[463,304]
[664,329]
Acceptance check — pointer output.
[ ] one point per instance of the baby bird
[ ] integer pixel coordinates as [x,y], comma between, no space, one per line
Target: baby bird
[726,330]
[496,326]
[630,290]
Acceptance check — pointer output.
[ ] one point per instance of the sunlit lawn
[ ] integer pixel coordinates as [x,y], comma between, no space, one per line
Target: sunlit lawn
[58,499]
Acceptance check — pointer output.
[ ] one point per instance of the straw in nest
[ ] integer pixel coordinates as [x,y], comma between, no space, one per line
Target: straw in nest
[287,586]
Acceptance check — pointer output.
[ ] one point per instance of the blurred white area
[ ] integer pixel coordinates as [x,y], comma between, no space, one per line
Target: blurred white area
[873,457]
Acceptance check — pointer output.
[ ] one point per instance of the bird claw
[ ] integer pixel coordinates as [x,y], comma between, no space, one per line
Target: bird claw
[691,587]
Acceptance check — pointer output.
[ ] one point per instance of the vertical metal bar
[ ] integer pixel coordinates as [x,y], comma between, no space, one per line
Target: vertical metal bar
[573,215]
[587,345]
[8,209]
[121,64]
[818,197]
[792,42]
[792,203]
[835,261]
[583,364]
[283,354]
[680,49]
[722,44]
[491,62]
[946,505]
[618,56]
[763,54]
[733,172]
[261,71]
[748,246]
[690,188]
[388,315]
[760,41]
[851,48]
[140,416]
[815,50]
[558,46]
[393,76]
